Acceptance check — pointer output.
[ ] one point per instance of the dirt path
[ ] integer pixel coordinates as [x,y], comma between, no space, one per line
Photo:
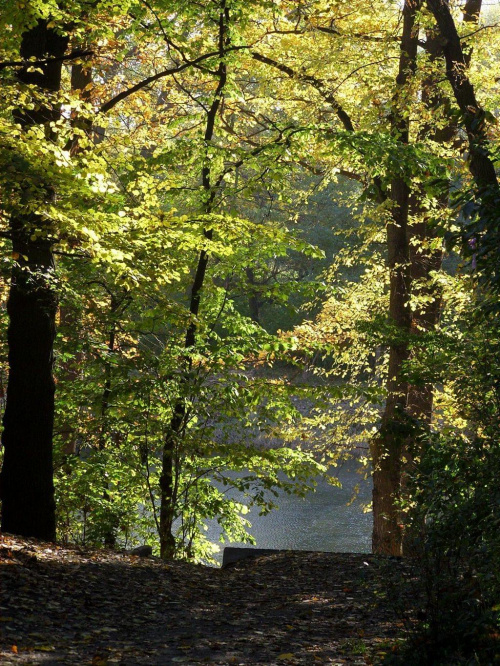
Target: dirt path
[65,606]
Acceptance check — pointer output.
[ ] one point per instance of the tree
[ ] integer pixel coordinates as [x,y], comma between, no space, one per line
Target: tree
[387,449]
[158,148]
[27,490]
[483,233]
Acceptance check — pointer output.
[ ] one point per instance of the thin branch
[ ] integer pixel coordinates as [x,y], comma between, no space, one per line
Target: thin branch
[315,82]
[45,61]
[160,24]
[107,106]
[189,94]
[355,35]
[484,27]
[368,64]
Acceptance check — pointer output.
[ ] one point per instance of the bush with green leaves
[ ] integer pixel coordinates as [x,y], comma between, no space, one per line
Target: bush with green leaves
[454,502]
[115,409]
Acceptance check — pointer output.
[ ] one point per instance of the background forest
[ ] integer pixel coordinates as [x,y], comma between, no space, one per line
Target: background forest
[242,240]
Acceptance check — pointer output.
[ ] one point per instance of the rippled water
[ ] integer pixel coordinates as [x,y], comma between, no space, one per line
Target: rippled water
[321,521]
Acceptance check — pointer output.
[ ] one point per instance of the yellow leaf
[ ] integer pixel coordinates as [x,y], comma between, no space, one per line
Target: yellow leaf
[286,655]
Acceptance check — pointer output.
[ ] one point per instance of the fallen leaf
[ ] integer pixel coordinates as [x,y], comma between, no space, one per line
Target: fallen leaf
[99,661]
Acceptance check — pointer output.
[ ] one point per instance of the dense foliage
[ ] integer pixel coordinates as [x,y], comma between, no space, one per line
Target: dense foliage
[267,235]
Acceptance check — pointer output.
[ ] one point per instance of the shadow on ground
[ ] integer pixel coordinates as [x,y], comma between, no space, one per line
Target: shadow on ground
[64,606]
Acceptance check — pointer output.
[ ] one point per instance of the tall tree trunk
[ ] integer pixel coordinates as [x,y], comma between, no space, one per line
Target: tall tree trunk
[27,487]
[172,442]
[423,259]
[387,445]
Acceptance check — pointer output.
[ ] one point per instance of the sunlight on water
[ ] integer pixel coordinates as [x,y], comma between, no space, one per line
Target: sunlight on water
[320,521]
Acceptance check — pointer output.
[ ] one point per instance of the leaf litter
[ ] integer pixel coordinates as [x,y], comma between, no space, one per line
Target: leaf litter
[65,605]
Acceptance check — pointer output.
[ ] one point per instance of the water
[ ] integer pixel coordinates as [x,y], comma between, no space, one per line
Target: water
[320,521]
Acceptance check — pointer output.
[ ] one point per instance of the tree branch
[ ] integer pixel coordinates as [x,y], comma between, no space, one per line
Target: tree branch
[107,106]
[319,85]
[45,61]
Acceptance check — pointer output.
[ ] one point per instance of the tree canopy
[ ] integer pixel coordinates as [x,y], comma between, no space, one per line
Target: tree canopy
[241,241]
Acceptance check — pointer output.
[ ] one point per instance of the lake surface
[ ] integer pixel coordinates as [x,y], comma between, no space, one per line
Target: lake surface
[320,521]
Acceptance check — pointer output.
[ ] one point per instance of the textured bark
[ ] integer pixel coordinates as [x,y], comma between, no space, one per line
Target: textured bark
[27,490]
[387,445]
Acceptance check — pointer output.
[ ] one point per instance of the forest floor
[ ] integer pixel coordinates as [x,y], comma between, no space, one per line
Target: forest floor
[62,605]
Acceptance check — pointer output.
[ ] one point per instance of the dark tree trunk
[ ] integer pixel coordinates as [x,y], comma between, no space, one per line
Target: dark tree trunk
[172,442]
[483,230]
[425,260]
[388,445]
[254,302]
[480,162]
[81,81]
[27,487]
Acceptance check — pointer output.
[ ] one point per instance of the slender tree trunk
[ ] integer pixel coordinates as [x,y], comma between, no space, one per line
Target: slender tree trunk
[118,304]
[81,81]
[27,487]
[388,445]
[172,442]
[254,302]
[69,371]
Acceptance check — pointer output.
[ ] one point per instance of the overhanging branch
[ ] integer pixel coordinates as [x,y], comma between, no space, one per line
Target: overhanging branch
[45,61]
[107,106]
[316,83]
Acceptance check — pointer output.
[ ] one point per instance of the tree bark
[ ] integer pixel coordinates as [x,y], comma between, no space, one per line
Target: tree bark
[27,490]
[387,446]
